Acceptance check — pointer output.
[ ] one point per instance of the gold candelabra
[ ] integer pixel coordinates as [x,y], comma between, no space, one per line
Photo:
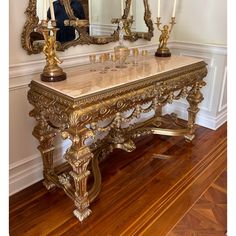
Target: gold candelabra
[51,72]
[163,50]
[127,24]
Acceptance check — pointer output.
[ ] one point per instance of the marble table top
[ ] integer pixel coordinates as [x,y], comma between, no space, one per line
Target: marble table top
[81,81]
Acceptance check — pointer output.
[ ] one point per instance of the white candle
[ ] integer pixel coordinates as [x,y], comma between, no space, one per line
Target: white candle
[174,8]
[122,7]
[44,10]
[131,9]
[159,8]
[52,10]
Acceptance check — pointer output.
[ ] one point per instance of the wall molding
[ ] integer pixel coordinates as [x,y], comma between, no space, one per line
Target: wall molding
[102,29]
[202,119]
[21,74]
[199,47]
[29,170]
[224,86]
[213,113]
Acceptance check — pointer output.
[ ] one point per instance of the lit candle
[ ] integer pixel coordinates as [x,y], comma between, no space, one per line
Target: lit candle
[44,10]
[174,8]
[122,7]
[159,8]
[52,10]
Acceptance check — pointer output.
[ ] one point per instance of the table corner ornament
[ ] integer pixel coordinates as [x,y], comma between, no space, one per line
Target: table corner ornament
[52,72]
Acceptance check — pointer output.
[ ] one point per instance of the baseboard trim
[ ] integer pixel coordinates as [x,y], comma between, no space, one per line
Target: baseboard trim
[28,171]
[203,119]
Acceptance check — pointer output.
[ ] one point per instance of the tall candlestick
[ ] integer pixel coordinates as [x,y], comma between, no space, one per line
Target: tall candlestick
[174,8]
[52,10]
[131,9]
[44,10]
[122,7]
[159,8]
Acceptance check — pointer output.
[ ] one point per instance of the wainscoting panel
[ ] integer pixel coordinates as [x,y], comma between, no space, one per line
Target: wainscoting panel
[213,109]
[99,29]
[29,170]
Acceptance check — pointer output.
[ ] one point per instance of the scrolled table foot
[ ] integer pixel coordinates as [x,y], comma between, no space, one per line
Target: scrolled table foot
[82,215]
[189,137]
[48,184]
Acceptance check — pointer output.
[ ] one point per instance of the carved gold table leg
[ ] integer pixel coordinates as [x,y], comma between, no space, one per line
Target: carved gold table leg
[194,98]
[79,156]
[45,134]
[94,191]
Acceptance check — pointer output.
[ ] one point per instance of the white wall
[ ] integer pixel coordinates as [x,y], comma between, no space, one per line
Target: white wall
[202,21]
[199,23]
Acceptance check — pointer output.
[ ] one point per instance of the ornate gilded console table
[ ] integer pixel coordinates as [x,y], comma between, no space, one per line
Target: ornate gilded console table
[89,105]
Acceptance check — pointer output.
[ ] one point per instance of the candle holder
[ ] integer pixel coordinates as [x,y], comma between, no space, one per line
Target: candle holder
[163,50]
[127,24]
[51,72]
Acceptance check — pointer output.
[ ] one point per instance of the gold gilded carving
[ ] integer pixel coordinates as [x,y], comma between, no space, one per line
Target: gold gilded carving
[45,135]
[194,98]
[149,23]
[32,23]
[79,156]
[78,119]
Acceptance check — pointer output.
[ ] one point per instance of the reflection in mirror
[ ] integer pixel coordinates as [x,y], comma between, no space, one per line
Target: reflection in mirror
[139,24]
[99,13]
[65,33]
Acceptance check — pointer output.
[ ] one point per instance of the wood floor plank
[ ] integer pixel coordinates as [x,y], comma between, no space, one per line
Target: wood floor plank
[209,215]
[141,194]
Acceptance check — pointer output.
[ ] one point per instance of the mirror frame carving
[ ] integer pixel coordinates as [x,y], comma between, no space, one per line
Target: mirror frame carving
[32,21]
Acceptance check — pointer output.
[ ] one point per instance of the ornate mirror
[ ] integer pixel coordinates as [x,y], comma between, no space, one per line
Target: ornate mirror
[87,22]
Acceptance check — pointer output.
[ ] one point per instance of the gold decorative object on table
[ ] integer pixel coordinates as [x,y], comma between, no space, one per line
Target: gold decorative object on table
[163,50]
[121,51]
[51,72]
[113,59]
[102,59]
[92,59]
[135,55]
[144,52]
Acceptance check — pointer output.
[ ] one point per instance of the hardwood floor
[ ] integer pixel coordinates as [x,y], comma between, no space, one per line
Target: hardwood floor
[145,192]
[208,216]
